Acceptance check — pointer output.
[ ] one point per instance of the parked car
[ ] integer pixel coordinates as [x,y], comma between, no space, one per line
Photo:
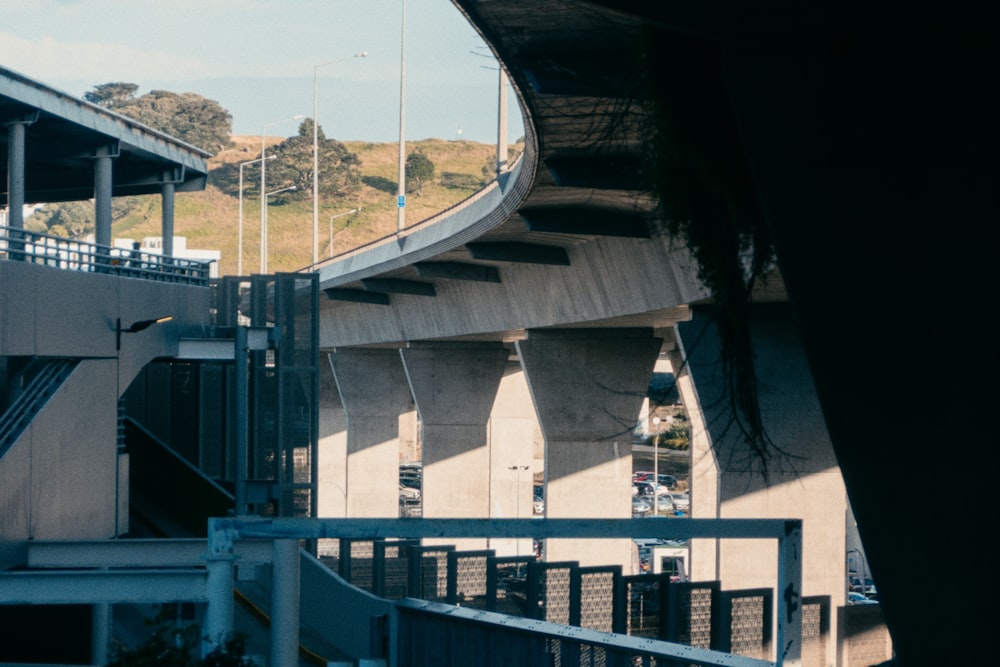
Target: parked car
[664,503]
[853,597]
[640,506]
[682,501]
[668,481]
[647,489]
[408,492]
[410,482]
[868,589]
[538,505]
[410,507]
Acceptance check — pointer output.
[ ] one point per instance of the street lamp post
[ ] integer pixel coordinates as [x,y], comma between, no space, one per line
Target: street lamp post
[239,243]
[263,189]
[517,506]
[263,237]
[656,467]
[401,192]
[315,191]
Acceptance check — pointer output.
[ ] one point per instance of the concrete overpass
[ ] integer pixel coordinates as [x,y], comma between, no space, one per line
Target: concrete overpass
[858,131]
[858,139]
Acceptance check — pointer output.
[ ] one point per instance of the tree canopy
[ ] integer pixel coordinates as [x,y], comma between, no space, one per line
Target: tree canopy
[339,168]
[190,117]
[419,171]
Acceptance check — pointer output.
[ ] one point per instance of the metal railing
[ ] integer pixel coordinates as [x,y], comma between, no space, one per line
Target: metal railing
[285,534]
[21,245]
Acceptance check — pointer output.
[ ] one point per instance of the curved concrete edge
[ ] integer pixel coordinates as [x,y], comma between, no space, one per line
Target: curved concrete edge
[465,222]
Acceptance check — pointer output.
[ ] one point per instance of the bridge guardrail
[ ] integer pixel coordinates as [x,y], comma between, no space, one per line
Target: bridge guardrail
[21,245]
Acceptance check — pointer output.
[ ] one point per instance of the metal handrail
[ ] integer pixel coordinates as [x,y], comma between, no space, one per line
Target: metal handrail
[22,245]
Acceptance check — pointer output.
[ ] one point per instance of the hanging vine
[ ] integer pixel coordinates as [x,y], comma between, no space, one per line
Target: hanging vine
[706,200]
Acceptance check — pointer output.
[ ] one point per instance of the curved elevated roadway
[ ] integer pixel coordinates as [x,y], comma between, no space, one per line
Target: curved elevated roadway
[869,137]
[568,237]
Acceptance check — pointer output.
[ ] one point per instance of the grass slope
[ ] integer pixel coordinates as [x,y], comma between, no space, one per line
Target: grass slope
[210,219]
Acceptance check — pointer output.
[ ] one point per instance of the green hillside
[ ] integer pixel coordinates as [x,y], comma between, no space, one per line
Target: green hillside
[210,219]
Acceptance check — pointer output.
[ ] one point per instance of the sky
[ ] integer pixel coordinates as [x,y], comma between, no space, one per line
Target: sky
[260,58]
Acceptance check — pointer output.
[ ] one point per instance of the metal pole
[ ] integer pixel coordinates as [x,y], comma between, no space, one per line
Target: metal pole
[263,203]
[239,236]
[656,467]
[315,191]
[239,242]
[502,123]
[285,603]
[401,192]
[789,607]
[242,412]
[219,613]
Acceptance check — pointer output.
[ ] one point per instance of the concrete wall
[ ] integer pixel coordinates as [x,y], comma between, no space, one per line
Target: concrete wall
[59,480]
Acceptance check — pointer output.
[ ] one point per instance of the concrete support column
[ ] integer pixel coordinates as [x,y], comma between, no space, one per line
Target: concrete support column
[588,386]
[454,386]
[167,218]
[103,182]
[285,603]
[514,434]
[799,479]
[15,174]
[374,392]
[332,456]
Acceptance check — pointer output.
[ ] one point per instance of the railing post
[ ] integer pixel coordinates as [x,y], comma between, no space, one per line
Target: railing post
[789,602]
[285,603]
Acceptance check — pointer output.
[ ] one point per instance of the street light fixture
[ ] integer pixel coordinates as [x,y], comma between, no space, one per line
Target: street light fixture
[263,189]
[239,243]
[136,327]
[315,192]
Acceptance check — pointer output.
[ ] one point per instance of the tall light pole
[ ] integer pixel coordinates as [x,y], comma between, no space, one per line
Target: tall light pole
[517,505]
[263,235]
[502,124]
[656,467]
[315,191]
[263,189]
[239,243]
[401,192]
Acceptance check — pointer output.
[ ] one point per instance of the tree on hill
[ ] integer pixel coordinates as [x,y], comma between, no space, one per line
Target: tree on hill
[419,171]
[339,168]
[190,117]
